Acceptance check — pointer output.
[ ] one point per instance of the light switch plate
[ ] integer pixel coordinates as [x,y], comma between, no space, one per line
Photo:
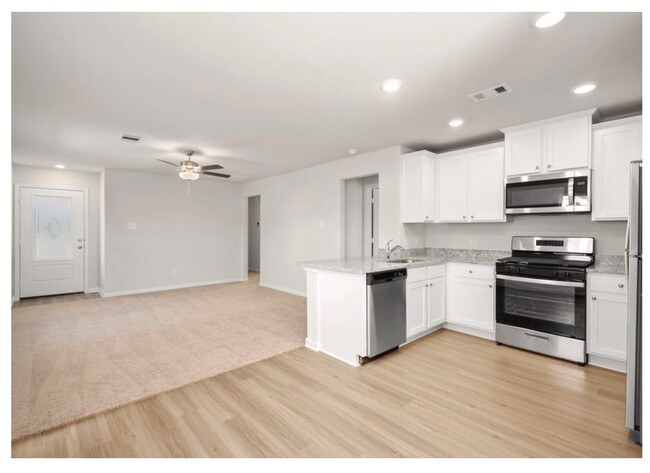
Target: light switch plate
[131,226]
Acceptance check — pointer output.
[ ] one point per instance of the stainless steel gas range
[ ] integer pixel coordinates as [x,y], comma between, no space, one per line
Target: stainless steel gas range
[541,296]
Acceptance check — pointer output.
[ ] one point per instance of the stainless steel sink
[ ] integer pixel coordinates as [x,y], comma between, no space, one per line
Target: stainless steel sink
[407,260]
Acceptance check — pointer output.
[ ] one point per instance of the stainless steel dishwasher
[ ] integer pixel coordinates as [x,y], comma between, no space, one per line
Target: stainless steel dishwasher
[386,305]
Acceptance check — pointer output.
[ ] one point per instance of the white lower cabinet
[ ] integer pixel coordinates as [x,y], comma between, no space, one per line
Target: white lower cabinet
[416,307]
[425,299]
[607,317]
[470,296]
[436,302]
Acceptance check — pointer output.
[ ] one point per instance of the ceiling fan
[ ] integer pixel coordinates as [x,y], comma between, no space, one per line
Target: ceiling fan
[190,171]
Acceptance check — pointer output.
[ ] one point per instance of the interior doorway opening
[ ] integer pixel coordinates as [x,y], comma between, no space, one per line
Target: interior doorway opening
[361,222]
[254,238]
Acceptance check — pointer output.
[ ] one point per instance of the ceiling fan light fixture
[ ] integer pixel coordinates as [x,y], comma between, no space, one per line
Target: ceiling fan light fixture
[188,175]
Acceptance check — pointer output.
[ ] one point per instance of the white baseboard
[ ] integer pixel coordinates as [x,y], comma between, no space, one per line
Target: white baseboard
[423,334]
[90,290]
[311,344]
[469,330]
[608,363]
[284,289]
[167,288]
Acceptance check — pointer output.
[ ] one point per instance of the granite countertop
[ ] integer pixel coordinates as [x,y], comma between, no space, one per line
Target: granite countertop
[605,264]
[608,264]
[421,259]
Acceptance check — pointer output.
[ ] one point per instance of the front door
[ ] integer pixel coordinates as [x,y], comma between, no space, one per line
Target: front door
[51,242]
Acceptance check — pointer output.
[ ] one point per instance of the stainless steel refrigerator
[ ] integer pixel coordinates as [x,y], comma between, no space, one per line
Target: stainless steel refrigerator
[634,259]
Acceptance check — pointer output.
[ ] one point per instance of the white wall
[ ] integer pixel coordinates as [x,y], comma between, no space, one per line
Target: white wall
[179,240]
[254,233]
[610,236]
[302,214]
[64,178]
[353,244]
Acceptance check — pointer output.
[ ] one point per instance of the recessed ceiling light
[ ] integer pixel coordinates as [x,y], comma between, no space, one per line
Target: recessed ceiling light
[353,151]
[456,122]
[59,166]
[391,85]
[584,88]
[546,20]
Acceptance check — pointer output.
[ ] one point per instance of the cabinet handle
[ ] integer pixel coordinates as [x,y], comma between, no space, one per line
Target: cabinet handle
[426,216]
[471,216]
[536,167]
[471,272]
[490,286]
[464,216]
[620,285]
[593,298]
[549,166]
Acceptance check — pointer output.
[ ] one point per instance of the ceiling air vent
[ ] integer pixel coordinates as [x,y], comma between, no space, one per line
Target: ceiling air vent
[131,138]
[490,93]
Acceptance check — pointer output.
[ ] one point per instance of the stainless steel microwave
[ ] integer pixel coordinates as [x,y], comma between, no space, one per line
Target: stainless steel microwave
[551,192]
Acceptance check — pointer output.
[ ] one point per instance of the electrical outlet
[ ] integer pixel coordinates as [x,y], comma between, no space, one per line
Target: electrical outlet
[472,243]
[131,226]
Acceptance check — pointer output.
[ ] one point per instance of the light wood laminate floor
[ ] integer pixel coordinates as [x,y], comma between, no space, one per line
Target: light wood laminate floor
[445,395]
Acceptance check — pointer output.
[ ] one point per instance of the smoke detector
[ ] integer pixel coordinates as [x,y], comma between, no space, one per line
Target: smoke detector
[490,93]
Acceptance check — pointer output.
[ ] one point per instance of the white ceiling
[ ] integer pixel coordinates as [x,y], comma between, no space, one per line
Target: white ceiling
[264,94]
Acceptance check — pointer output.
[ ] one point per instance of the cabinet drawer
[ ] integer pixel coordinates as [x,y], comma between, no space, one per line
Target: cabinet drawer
[612,283]
[436,271]
[416,274]
[476,271]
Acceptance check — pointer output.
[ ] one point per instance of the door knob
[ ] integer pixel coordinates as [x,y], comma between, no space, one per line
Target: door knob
[621,285]
[79,247]
[549,166]
[80,240]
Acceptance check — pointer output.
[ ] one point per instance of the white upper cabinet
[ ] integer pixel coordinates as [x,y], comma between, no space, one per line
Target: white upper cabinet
[567,144]
[615,144]
[470,185]
[549,145]
[417,187]
[452,188]
[523,151]
[485,185]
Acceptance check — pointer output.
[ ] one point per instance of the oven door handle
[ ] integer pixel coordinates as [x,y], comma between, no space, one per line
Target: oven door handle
[546,282]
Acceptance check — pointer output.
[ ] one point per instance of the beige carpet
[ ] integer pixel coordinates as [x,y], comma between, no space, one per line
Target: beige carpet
[74,359]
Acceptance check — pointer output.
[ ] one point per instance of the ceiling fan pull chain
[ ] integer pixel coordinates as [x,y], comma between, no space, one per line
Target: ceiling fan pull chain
[189,187]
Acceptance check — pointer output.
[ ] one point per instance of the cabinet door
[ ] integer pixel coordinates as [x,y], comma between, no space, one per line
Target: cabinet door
[436,298]
[523,151]
[485,186]
[452,188]
[607,325]
[470,302]
[613,149]
[429,186]
[412,189]
[416,308]
[567,144]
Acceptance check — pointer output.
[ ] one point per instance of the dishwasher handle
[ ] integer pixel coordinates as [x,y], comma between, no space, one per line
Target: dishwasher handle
[382,277]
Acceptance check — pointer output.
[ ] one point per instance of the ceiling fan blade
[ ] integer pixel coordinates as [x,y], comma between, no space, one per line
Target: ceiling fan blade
[212,166]
[167,162]
[214,174]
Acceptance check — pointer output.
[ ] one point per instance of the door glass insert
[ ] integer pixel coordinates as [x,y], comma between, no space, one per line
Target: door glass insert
[555,304]
[52,235]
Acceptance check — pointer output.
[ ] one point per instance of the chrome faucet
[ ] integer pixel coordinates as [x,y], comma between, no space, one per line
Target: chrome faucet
[389,250]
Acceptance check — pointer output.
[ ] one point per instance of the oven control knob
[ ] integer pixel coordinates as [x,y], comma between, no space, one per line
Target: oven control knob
[567,275]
